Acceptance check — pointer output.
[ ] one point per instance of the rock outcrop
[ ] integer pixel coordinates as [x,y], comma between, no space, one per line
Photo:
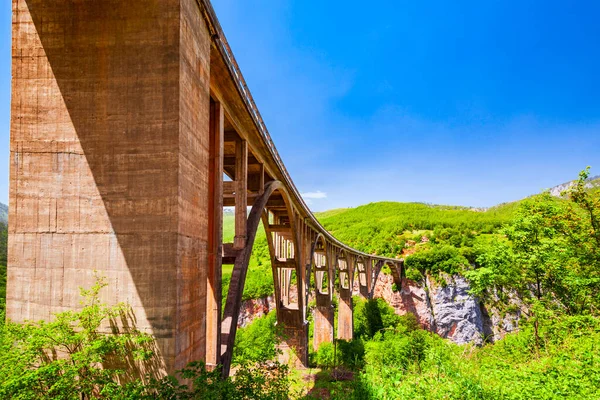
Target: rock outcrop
[255,308]
[448,309]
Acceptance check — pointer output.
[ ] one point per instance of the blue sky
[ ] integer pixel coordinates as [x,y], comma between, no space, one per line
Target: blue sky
[470,103]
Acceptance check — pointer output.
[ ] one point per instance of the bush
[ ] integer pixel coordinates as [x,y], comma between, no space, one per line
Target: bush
[251,382]
[324,356]
[437,259]
[73,358]
[350,354]
[371,316]
[258,341]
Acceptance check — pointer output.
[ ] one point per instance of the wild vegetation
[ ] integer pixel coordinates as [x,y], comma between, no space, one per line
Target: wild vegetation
[544,250]
[97,353]
[259,280]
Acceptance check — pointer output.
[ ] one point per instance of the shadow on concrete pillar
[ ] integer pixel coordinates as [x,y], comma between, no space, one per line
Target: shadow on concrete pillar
[345,323]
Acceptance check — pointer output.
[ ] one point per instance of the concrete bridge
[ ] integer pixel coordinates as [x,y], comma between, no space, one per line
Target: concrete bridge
[131,129]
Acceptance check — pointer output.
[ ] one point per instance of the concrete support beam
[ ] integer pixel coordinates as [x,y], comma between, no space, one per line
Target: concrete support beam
[323,317]
[241,193]
[345,324]
[215,222]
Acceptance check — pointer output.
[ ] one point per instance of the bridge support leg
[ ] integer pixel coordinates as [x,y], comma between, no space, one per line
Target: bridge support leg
[345,323]
[323,318]
[294,346]
[215,235]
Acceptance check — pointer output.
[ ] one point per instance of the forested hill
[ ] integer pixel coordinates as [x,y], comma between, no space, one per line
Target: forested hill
[3,213]
[384,228]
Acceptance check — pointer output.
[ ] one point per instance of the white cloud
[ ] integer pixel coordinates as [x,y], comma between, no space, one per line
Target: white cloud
[314,195]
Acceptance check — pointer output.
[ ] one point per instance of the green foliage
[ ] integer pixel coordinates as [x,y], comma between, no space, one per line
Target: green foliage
[325,356]
[70,356]
[259,279]
[443,258]
[257,342]
[496,267]
[97,353]
[350,353]
[251,382]
[419,365]
[372,316]
[379,228]
[401,350]
[341,353]
[551,254]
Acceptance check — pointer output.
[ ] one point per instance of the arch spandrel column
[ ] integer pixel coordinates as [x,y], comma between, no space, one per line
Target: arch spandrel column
[323,313]
[345,313]
[364,270]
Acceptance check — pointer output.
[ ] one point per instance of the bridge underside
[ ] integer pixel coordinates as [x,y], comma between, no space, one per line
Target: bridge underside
[125,118]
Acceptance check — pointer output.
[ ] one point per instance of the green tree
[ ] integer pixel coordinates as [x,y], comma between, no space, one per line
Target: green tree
[552,253]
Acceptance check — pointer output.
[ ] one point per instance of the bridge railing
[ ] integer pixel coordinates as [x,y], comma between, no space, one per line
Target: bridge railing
[246,95]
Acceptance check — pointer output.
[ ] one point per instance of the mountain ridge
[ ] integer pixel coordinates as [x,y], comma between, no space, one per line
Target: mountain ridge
[3,213]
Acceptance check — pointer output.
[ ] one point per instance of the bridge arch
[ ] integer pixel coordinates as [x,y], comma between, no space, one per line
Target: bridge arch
[283,245]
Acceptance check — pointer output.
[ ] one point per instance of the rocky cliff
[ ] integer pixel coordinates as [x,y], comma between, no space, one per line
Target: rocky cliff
[255,308]
[448,309]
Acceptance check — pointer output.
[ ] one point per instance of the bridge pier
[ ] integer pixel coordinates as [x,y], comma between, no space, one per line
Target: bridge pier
[323,313]
[109,161]
[345,317]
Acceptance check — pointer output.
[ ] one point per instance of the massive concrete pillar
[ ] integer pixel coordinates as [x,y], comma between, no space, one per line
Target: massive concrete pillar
[109,163]
[323,317]
[324,312]
[345,323]
[345,326]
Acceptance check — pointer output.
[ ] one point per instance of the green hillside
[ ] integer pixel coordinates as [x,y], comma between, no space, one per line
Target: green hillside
[259,280]
[383,228]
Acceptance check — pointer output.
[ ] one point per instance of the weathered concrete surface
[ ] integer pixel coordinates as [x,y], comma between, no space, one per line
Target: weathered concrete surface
[345,326]
[323,317]
[109,146]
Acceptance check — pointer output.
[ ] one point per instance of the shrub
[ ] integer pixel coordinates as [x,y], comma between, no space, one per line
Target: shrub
[372,316]
[258,341]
